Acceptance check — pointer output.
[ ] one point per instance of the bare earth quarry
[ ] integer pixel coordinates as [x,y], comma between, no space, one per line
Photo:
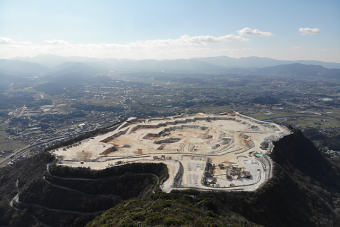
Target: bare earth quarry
[228,151]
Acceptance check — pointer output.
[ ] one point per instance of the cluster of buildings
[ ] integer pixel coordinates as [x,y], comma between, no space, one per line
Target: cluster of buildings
[233,173]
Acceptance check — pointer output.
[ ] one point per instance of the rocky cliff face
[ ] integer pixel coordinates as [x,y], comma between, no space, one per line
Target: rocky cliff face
[298,156]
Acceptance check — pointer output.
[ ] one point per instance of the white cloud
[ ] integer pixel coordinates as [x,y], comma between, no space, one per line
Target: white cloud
[4,40]
[254,32]
[9,41]
[309,31]
[204,39]
[183,41]
[182,47]
[56,42]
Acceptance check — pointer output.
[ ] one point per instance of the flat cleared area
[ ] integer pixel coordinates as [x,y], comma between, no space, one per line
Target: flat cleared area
[204,151]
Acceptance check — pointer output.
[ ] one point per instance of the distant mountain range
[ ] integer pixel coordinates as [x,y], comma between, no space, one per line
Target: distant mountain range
[21,68]
[50,65]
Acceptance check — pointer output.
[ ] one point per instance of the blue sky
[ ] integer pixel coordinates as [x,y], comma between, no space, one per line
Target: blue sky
[300,29]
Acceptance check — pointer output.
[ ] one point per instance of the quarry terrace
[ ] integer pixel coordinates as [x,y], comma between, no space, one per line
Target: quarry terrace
[227,151]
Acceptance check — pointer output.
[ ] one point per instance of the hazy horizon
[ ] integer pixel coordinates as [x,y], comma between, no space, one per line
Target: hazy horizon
[163,59]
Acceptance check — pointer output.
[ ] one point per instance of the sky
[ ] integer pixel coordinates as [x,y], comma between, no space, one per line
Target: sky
[170,29]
